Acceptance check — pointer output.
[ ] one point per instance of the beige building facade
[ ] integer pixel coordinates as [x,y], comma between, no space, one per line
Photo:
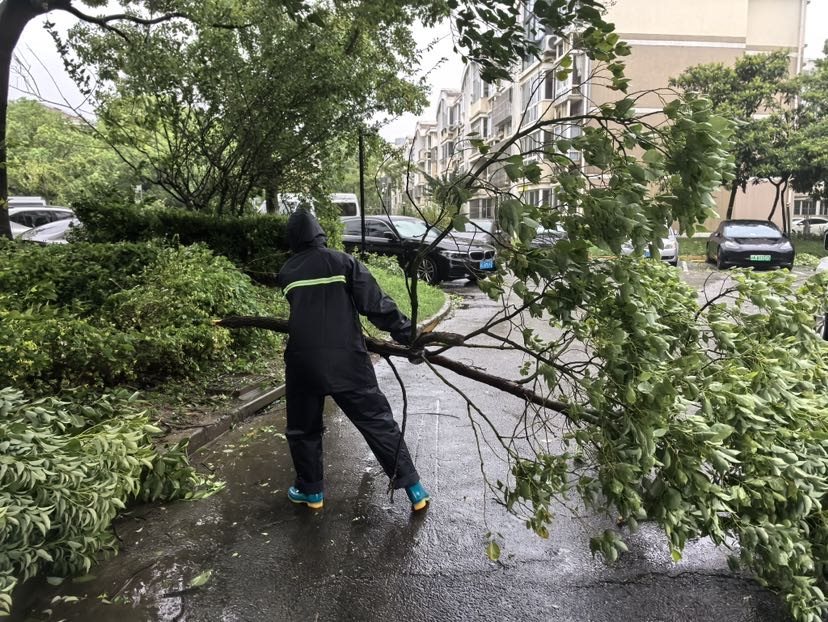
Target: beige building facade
[665,37]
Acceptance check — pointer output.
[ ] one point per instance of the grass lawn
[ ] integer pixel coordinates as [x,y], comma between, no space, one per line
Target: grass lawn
[430,298]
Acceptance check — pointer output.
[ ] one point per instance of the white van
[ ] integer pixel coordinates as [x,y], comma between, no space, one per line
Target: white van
[287,203]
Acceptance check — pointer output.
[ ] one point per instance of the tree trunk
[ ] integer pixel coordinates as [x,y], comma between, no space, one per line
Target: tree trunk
[733,189]
[270,198]
[776,198]
[786,217]
[14,15]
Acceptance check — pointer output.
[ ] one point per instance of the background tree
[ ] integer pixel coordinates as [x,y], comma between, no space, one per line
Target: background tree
[384,168]
[810,148]
[757,83]
[57,156]
[777,162]
[489,31]
[231,113]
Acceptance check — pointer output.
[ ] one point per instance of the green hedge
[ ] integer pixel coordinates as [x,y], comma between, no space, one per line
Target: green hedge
[79,275]
[255,243]
[104,323]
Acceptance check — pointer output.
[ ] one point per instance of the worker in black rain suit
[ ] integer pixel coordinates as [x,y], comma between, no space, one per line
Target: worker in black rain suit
[326,355]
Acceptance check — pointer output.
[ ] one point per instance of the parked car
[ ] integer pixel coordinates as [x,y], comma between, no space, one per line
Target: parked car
[547,237]
[485,231]
[756,243]
[51,233]
[24,218]
[478,231]
[669,249]
[403,236]
[814,225]
[287,203]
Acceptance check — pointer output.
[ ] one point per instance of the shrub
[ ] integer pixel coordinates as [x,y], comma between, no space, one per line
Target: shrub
[159,326]
[255,243]
[66,469]
[47,348]
[806,259]
[79,275]
[384,262]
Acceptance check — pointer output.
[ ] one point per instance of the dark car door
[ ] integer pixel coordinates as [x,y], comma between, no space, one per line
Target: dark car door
[713,242]
[380,237]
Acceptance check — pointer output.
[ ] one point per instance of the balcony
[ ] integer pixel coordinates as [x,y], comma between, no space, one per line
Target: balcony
[502,108]
[481,106]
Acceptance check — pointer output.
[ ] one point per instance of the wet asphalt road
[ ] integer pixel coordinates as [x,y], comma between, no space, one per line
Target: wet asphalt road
[364,558]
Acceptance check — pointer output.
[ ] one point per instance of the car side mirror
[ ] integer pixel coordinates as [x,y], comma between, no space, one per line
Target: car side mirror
[389,236]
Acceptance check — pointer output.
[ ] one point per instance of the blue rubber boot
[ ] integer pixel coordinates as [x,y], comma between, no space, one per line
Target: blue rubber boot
[314,500]
[418,496]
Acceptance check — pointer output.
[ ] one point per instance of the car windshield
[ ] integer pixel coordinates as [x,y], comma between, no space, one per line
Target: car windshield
[415,229]
[751,230]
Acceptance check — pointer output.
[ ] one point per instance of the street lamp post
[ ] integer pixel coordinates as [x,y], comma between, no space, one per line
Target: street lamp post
[362,188]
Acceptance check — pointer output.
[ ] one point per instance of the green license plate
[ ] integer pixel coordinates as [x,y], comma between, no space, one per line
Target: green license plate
[760,257]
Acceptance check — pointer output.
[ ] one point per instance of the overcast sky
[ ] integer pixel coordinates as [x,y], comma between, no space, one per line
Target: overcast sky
[47,77]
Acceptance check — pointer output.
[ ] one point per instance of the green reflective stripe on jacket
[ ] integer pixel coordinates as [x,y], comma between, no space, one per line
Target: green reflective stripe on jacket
[323,281]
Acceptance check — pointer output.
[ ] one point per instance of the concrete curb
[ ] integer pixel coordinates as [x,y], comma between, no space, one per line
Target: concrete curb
[254,398]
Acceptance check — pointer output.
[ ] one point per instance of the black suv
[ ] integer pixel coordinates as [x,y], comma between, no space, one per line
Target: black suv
[403,236]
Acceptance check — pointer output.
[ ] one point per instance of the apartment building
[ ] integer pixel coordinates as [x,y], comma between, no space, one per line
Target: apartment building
[665,38]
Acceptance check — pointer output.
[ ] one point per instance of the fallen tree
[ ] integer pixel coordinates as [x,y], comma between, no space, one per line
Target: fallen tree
[708,418]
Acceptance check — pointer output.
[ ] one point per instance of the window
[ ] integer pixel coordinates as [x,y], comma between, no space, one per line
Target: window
[804,207]
[541,198]
[454,115]
[481,208]
[479,88]
[376,229]
[481,126]
[576,108]
[549,85]
[532,145]
[530,96]
[578,65]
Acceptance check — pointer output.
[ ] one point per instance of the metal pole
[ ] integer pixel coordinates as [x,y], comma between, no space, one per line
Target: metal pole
[362,188]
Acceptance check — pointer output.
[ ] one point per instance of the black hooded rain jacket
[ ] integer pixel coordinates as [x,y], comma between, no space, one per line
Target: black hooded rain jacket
[327,290]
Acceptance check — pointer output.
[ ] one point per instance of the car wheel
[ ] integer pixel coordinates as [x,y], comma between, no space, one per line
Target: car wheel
[719,263]
[428,271]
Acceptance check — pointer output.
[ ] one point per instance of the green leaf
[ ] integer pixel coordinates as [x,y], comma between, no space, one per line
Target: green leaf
[201,579]
[493,551]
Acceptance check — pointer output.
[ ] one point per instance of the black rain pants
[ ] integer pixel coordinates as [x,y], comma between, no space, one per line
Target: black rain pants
[368,410]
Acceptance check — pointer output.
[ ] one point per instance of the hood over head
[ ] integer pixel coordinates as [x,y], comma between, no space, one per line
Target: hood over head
[304,231]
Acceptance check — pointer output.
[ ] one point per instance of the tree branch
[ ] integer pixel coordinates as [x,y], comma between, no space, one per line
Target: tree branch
[388,349]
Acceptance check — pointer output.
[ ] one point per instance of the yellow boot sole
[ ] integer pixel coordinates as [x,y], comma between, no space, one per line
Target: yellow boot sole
[420,505]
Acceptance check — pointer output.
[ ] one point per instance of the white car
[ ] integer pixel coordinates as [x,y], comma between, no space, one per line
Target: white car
[815,225]
[25,218]
[51,233]
[669,250]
